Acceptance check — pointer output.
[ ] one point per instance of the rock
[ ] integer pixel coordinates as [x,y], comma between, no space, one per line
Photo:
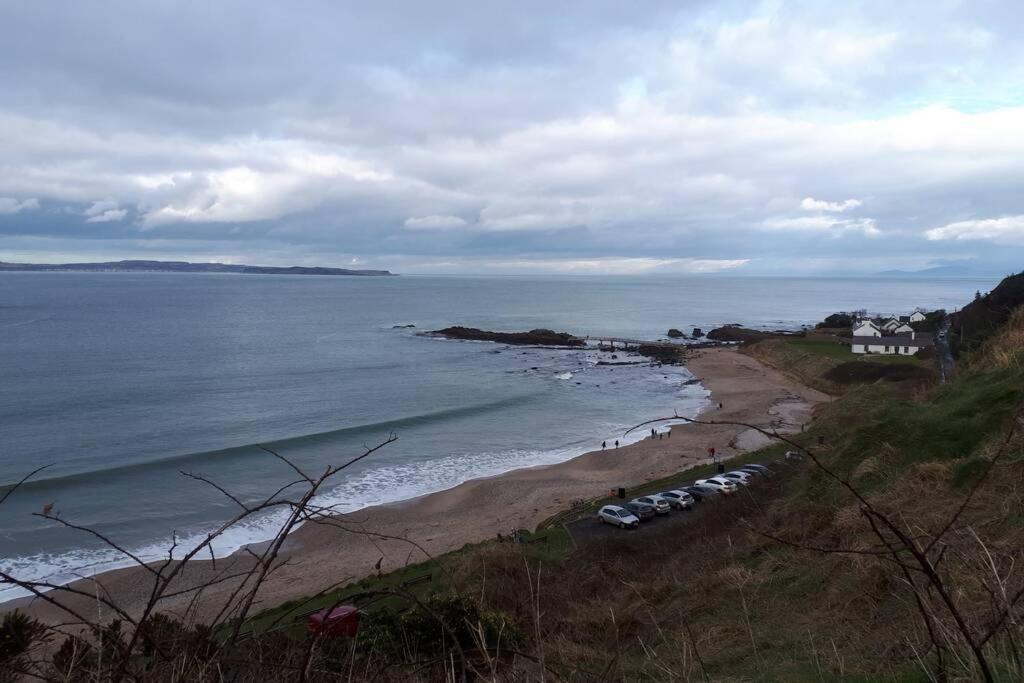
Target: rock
[674,333]
[401,327]
[538,337]
[669,355]
[736,333]
[697,333]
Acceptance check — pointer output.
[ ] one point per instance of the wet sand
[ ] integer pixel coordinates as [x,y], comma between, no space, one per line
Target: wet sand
[350,547]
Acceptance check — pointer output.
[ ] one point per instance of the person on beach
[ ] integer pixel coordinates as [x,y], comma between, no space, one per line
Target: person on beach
[604,444]
[653,433]
[616,443]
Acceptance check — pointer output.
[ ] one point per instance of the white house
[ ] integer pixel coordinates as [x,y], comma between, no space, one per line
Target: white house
[904,328]
[917,317]
[866,328]
[905,345]
[891,324]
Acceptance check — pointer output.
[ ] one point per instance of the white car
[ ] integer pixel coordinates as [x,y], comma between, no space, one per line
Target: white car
[739,476]
[681,500]
[620,517]
[726,486]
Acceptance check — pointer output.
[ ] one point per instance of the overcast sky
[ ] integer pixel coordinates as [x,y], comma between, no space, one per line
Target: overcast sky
[519,137]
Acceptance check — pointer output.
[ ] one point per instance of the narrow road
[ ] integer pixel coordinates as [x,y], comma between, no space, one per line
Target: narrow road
[947,366]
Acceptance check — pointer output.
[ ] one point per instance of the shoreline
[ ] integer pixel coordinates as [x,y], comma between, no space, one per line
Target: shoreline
[353,545]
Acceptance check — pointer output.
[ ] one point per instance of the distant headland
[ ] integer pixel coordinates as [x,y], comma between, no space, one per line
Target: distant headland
[184,267]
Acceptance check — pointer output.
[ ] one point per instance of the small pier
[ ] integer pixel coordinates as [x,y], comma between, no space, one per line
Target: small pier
[613,343]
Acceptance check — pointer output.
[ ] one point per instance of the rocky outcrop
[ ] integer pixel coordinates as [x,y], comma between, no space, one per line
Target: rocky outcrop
[669,355]
[697,333]
[735,333]
[531,338]
[675,334]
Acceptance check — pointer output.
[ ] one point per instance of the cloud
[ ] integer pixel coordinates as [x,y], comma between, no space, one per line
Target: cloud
[108,216]
[823,223]
[811,204]
[688,133]
[104,211]
[9,205]
[596,266]
[434,222]
[1008,229]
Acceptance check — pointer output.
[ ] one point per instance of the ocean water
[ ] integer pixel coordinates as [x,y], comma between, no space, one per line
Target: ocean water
[121,382]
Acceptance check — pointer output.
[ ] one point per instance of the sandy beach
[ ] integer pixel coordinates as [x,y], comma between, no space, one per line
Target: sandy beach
[320,556]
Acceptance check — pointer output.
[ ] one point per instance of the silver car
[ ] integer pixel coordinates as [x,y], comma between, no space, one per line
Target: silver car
[661,505]
[681,500]
[726,486]
[619,516]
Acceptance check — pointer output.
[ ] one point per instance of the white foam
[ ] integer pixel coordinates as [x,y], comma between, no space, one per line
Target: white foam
[380,486]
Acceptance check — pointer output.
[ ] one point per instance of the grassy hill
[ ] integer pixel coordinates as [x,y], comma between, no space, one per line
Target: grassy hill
[986,315]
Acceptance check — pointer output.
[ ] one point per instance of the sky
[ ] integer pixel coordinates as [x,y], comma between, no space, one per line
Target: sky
[578,137]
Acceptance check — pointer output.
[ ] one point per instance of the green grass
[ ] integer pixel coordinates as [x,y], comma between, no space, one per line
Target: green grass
[842,353]
[824,347]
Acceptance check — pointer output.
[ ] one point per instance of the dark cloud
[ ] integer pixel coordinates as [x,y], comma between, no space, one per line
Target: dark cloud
[517,136]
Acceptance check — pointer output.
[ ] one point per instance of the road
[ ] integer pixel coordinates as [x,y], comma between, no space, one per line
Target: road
[947,366]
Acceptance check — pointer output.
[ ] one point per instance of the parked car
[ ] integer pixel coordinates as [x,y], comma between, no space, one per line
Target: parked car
[642,511]
[699,493]
[619,516]
[738,476]
[757,469]
[681,500]
[661,506]
[726,486]
[703,489]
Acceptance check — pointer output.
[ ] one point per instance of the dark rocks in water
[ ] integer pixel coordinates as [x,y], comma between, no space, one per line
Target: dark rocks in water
[532,338]
[675,334]
[697,333]
[691,382]
[736,333]
[402,327]
[615,355]
[669,355]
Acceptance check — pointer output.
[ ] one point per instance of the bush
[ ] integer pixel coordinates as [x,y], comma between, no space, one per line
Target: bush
[841,319]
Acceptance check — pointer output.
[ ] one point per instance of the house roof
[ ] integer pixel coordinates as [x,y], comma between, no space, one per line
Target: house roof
[919,342]
[904,318]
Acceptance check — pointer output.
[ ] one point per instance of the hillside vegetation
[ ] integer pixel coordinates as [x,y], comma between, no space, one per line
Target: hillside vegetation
[893,550]
[976,322]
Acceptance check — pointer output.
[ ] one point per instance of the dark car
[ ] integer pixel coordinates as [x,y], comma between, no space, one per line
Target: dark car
[695,491]
[710,492]
[642,510]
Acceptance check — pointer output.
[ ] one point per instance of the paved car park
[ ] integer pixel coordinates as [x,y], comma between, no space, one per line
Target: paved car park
[588,528]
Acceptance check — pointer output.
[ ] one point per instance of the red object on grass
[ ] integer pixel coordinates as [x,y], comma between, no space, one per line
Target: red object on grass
[337,621]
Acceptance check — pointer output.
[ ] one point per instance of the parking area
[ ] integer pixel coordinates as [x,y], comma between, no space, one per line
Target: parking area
[589,528]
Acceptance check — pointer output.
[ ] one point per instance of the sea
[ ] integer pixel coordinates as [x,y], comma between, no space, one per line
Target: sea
[122,384]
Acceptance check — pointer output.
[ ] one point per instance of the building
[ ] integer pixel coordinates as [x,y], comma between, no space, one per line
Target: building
[866,328]
[893,335]
[904,345]
[917,317]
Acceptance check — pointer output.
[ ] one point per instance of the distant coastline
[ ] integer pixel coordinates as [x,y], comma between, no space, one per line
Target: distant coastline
[185,267]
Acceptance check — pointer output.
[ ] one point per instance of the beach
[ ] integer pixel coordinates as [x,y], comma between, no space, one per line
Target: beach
[387,537]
